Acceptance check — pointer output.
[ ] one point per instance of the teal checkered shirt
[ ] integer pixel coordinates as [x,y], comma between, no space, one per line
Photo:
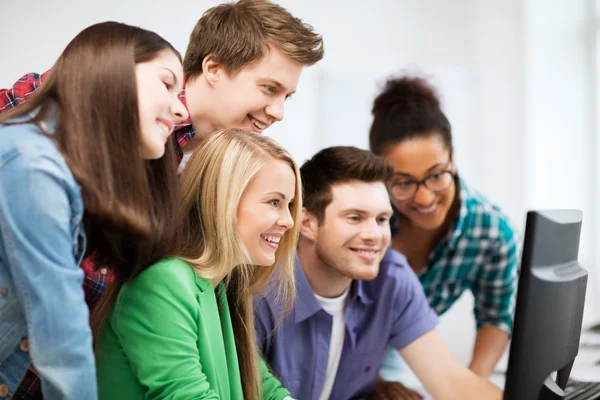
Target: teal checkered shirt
[481,254]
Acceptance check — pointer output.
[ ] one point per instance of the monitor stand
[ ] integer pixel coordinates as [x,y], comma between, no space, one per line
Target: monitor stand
[555,390]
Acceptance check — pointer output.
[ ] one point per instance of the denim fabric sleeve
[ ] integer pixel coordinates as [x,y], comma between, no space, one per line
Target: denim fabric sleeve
[36,222]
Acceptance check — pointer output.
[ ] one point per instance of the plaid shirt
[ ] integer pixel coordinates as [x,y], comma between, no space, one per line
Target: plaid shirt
[96,281]
[480,253]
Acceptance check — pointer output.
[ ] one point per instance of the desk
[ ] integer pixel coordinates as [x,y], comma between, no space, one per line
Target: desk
[585,368]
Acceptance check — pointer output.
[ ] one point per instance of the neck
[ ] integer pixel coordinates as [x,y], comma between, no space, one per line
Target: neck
[218,279]
[323,278]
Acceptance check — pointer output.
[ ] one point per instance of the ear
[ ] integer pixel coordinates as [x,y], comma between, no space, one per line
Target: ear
[309,225]
[453,160]
[211,69]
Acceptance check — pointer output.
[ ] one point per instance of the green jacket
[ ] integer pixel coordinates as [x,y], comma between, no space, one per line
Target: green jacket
[166,338]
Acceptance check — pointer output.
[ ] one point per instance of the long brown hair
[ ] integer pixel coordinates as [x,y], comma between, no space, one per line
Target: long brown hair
[129,202]
[212,185]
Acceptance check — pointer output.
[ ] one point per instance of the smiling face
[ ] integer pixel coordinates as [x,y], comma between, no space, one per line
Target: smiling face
[251,99]
[263,214]
[355,231]
[159,82]
[417,159]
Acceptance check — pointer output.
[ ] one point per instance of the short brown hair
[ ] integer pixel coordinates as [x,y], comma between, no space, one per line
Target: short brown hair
[340,164]
[238,34]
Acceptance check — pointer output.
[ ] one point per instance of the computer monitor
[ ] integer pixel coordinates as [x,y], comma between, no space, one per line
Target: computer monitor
[549,307]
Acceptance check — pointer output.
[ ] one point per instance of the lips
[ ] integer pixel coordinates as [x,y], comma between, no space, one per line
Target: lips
[427,210]
[257,125]
[368,254]
[271,240]
[166,125]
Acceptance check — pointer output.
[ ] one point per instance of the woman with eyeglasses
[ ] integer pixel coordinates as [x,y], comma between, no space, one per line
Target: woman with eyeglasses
[453,237]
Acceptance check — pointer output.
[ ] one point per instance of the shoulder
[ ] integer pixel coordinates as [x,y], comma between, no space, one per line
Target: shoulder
[171,275]
[33,171]
[171,269]
[23,146]
[394,265]
[485,220]
[27,137]
[394,278]
[266,305]
[168,287]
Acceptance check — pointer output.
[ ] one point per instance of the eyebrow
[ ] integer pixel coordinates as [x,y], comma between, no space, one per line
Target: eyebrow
[278,84]
[363,212]
[278,194]
[172,73]
[440,164]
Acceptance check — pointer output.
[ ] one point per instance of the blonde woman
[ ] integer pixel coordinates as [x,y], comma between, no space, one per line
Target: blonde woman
[184,328]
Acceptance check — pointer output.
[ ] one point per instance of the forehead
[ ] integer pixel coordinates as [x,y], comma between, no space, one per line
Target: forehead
[274,176]
[164,59]
[371,197]
[415,156]
[275,65]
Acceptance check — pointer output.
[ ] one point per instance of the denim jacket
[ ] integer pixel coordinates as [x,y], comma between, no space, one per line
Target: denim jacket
[43,315]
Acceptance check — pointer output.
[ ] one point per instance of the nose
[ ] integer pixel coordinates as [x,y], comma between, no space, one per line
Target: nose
[285,219]
[371,232]
[179,112]
[275,108]
[423,196]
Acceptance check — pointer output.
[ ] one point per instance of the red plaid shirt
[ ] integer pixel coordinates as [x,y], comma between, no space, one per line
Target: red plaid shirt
[96,281]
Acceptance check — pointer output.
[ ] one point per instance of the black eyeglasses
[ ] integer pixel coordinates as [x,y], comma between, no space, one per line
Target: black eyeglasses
[436,182]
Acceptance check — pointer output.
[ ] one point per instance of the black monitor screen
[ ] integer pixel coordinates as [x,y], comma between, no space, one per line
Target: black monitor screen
[549,307]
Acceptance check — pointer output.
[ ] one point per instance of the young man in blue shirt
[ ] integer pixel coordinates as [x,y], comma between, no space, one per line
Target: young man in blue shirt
[355,296]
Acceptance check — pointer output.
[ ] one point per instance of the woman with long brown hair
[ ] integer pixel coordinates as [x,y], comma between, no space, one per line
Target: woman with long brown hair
[86,167]
[184,327]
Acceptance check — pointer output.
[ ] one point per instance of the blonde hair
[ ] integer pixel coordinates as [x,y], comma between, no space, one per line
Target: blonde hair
[212,186]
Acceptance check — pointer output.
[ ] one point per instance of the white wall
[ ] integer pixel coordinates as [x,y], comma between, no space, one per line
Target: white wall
[560,130]
[514,75]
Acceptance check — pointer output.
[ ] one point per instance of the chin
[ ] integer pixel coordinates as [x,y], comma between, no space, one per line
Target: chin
[155,151]
[365,273]
[264,261]
[430,226]
[429,223]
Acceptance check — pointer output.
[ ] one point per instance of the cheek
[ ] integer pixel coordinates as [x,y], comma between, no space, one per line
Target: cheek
[401,206]
[143,112]
[448,196]
[257,221]
[386,235]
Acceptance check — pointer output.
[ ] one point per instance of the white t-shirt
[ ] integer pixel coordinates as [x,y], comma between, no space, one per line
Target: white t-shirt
[184,161]
[335,307]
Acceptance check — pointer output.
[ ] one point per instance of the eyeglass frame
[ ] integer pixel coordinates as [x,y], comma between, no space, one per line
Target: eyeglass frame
[424,182]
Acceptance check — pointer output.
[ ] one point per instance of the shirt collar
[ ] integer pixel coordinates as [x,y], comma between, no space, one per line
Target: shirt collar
[183,100]
[307,304]
[459,224]
[52,113]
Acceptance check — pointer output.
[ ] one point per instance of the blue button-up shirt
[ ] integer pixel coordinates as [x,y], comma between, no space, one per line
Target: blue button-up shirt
[41,244]
[390,310]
